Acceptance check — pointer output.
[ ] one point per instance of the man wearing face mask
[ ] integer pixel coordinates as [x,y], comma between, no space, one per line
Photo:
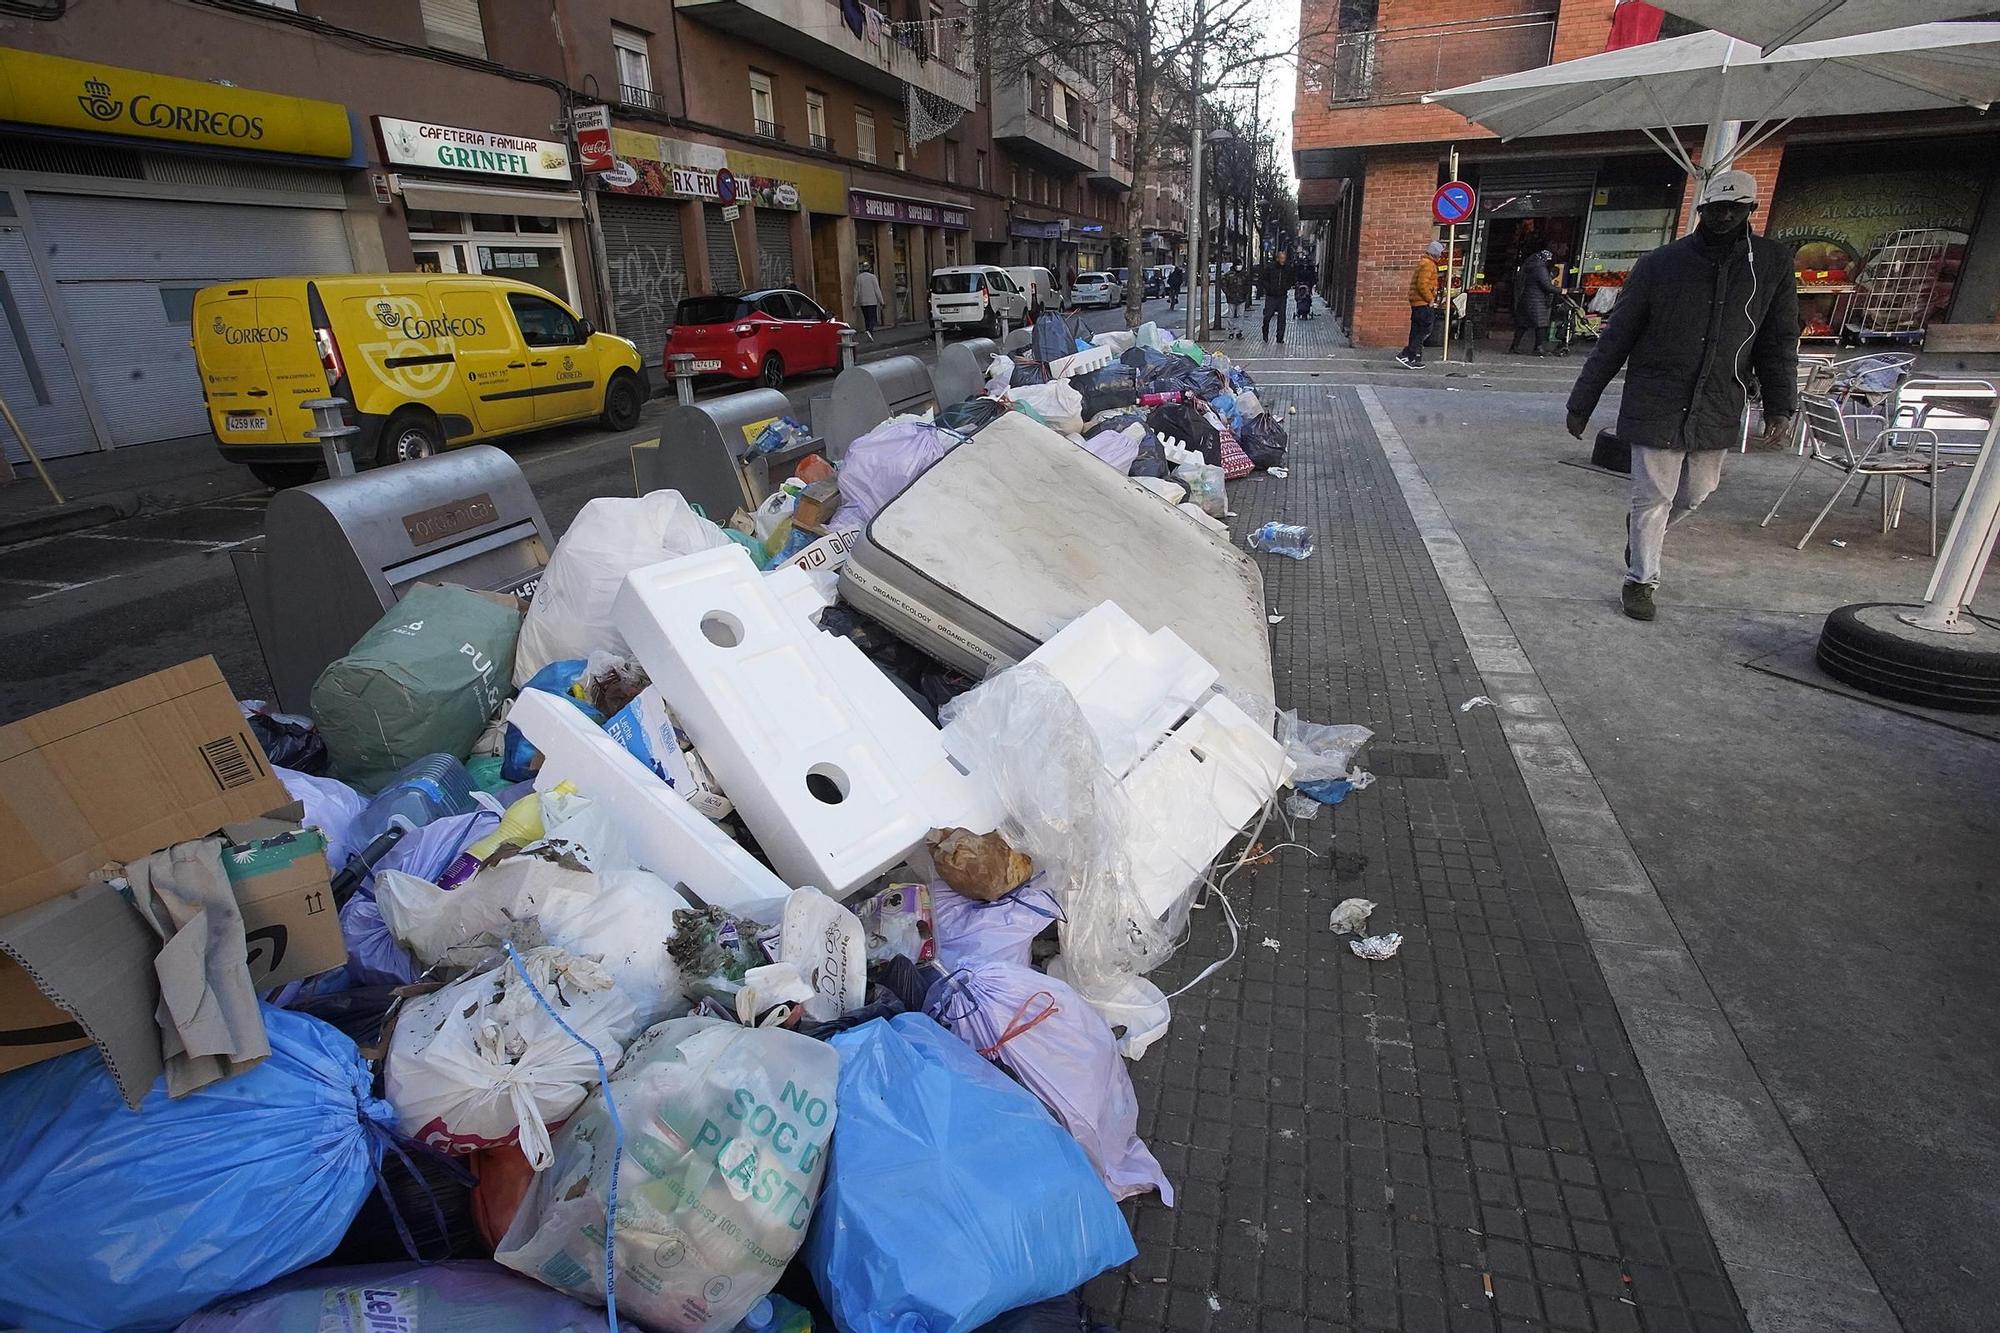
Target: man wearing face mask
[1694,318]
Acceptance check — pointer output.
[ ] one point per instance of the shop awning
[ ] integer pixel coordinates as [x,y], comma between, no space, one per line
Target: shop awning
[440,197]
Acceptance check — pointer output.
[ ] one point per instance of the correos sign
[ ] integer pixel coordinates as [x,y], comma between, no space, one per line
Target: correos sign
[416,143]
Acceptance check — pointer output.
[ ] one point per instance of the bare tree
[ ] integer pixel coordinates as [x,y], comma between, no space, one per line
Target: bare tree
[1171,53]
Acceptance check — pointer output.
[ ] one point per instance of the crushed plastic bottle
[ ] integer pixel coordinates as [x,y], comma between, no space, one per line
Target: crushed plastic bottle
[1286,539]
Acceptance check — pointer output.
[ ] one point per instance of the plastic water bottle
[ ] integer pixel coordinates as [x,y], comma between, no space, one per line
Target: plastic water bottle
[775,1314]
[1286,539]
[429,788]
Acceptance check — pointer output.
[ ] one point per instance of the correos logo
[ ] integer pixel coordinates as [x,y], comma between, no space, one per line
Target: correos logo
[99,104]
[235,334]
[419,327]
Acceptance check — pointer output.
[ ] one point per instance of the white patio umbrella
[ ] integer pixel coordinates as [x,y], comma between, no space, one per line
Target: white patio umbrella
[1711,78]
[1771,24]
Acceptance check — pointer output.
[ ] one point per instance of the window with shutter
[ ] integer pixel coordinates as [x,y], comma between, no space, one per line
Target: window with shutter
[454,25]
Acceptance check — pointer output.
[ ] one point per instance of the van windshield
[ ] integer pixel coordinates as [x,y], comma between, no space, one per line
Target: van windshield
[710,310]
[957,284]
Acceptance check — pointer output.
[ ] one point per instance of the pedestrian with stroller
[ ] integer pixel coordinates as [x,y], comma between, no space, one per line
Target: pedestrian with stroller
[1695,317]
[1423,306]
[1534,300]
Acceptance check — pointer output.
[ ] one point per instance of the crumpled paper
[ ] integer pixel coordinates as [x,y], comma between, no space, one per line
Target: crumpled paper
[1351,917]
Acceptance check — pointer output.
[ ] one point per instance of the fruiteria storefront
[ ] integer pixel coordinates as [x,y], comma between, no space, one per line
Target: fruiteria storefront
[125,193]
[481,201]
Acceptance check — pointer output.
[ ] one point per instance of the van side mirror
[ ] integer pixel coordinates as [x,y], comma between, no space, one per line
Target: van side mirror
[587,327]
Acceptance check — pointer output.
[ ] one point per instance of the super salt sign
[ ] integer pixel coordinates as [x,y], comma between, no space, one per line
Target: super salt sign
[1453,203]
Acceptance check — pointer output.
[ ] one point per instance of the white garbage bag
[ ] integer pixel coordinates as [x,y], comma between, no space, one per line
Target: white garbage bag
[481,1064]
[1055,402]
[726,1135]
[611,537]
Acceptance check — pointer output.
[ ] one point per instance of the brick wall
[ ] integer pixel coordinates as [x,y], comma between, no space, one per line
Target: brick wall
[1762,162]
[1395,227]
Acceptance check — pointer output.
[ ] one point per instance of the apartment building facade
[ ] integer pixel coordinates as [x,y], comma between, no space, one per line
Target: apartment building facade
[1370,154]
[151,147]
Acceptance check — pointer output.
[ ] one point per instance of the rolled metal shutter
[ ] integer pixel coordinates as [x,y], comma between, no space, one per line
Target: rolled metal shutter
[642,249]
[725,270]
[119,265]
[777,265]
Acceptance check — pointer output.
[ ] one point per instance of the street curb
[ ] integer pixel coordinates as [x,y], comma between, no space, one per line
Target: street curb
[1788,1253]
[54,522]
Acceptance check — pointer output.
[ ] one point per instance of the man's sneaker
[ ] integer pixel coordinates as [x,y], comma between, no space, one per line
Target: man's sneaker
[1638,599]
[1406,363]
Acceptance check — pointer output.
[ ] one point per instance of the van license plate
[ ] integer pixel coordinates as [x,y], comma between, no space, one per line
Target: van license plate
[249,421]
[700,366]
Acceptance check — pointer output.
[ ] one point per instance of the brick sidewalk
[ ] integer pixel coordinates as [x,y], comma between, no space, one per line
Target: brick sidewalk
[1459,1138]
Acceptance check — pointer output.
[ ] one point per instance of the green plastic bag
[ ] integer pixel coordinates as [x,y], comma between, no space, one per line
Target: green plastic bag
[425,679]
[1189,350]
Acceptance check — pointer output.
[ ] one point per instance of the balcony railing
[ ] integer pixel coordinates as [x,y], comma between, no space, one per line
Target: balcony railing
[823,142]
[1390,64]
[645,99]
[768,129]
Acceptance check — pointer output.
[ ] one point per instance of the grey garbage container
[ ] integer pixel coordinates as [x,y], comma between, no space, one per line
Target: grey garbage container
[704,453]
[865,396]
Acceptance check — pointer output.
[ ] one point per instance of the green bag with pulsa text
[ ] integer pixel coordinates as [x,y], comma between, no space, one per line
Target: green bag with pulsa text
[425,679]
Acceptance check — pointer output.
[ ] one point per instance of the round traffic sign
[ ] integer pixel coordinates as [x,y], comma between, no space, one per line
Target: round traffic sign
[1453,203]
[725,185]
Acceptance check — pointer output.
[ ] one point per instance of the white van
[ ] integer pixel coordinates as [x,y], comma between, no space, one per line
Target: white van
[1042,284]
[977,295]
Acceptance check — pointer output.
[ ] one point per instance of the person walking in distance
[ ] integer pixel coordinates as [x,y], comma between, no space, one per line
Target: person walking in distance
[1534,300]
[1693,318]
[1423,306]
[1273,282]
[868,295]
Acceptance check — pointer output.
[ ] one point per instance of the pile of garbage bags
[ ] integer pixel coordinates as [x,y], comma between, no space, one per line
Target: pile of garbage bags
[713,959]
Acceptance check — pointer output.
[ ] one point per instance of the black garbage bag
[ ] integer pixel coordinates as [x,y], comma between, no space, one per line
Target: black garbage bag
[972,415]
[1151,460]
[1097,399]
[1190,426]
[1206,383]
[1145,360]
[1029,372]
[290,742]
[1116,421]
[1263,438]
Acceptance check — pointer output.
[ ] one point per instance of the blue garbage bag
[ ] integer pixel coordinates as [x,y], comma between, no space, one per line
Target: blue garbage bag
[111,1218]
[951,1195]
[518,759]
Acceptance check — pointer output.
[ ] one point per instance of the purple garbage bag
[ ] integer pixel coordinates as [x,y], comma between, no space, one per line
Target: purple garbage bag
[969,931]
[1051,1039]
[882,462]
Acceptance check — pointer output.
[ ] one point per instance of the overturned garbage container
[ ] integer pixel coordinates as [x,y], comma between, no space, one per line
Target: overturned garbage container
[866,396]
[707,451]
[338,553]
[960,372]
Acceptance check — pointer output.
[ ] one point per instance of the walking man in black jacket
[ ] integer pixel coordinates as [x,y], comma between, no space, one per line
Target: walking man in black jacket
[1694,317]
[1273,279]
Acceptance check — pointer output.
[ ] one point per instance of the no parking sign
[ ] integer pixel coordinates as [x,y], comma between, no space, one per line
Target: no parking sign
[1453,203]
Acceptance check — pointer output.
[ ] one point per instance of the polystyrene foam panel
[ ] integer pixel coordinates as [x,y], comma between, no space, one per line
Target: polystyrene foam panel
[666,835]
[837,774]
[1133,686]
[1205,782]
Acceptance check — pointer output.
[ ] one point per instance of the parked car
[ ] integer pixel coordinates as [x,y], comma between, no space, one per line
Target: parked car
[1156,282]
[1099,288]
[1038,284]
[762,335]
[978,296]
[425,360]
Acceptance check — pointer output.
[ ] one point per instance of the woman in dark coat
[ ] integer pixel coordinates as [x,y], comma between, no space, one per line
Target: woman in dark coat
[1534,300]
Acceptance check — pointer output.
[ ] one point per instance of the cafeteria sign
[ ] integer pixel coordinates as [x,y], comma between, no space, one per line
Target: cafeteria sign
[416,143]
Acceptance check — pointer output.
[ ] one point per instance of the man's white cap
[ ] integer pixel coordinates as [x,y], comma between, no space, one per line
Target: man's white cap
[1434,249]
[1730,187]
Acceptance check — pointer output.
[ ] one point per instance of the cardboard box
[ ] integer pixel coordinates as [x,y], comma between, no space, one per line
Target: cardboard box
[290,923]
[84,788]
[647,730]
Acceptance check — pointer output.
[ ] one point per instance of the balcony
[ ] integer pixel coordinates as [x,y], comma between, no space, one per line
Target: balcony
[821,142]
[932,55]
[1110,175]
[768,129]
[1370,65]
[1023,130]
[641,99]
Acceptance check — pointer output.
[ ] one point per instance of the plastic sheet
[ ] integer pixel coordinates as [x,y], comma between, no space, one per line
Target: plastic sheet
[611,537]
[1319,752]
[1051,1039]
[726,1135]
[461,1296]
[123,1220]
[1012,1212]
[1025,734]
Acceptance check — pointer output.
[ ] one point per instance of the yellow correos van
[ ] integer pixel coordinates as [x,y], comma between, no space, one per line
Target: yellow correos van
[425,360]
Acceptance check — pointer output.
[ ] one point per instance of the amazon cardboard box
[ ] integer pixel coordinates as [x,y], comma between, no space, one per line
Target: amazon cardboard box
[84,788]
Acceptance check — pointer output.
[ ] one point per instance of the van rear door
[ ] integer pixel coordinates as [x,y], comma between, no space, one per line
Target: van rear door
[229,355]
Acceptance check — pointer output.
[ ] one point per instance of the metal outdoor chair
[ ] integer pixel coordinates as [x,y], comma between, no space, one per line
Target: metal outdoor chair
[1901,453]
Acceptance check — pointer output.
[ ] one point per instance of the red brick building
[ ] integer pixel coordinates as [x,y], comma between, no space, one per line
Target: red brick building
[1370,153]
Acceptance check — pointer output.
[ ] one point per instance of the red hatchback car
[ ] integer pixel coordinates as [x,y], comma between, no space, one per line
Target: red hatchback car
[762,335]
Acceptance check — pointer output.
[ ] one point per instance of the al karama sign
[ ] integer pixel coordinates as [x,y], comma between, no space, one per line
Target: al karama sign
[417,143]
